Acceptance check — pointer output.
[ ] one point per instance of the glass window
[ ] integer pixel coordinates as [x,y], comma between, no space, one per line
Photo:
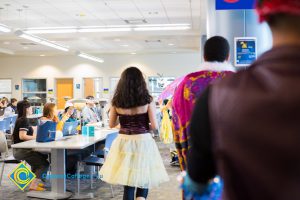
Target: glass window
[5,88]
[113,84]
[157,84]
[35,90]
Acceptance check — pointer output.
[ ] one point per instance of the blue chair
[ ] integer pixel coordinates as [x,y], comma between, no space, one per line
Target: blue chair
[7,123]
[94,160]
[108,142]
[14,119]
[2,125]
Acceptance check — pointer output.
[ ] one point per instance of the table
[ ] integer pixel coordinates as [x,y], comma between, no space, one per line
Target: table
[58,186]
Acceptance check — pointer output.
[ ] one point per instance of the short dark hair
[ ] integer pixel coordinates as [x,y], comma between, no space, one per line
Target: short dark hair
[216,49]
[21,107]
[284,22]
[90,97]
[131,90]
[13,100]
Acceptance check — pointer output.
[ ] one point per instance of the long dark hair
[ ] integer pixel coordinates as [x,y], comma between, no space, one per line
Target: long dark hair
[131,90]
[22,107]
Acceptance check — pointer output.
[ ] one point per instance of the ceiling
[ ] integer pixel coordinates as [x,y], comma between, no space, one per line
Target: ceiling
[20,14]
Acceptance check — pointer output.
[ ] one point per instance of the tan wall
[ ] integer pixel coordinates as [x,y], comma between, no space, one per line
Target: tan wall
[79,68]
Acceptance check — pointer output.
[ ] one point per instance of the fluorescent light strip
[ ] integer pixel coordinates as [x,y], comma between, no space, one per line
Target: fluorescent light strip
[4,28]
[91,30]
[120,28]
[162,28]
[93,58]
[41,31]
[40,40]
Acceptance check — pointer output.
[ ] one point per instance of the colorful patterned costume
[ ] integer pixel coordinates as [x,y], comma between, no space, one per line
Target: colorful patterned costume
[182,107]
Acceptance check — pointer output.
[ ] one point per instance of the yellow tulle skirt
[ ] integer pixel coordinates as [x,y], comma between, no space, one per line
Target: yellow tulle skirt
[134,160]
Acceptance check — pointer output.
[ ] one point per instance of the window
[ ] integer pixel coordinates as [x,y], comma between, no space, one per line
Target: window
[113,82]
[35,90]
[93,87]
[5,88]
[158,84]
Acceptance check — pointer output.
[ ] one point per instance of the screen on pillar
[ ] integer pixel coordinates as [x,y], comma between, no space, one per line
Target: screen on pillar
[235,4]
[245,51]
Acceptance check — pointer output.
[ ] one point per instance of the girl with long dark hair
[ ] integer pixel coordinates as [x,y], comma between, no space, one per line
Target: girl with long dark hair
[134,160]
[23,131]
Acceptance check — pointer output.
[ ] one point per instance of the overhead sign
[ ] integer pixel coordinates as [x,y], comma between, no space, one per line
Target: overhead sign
[245,51]
[235,4]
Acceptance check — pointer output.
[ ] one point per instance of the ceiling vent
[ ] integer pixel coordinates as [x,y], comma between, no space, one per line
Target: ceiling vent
[27,44]
[135,21]
[153,41]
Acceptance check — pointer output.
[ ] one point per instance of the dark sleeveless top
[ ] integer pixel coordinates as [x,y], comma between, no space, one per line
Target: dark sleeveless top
[134,124]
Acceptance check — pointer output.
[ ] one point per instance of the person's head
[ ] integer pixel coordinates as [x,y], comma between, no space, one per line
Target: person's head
[24,109]
[90,101]
[50,111]
[69,108]
[4,102]
[13,101]
[283,17]
[216,49]
[131,90]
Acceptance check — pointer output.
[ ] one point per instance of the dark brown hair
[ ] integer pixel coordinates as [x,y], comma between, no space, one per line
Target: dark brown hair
[284,22]
[22,107]
[13,100]
[131,90]
[48,111]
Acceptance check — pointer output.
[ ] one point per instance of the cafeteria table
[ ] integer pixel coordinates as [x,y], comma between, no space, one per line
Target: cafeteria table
[58,148]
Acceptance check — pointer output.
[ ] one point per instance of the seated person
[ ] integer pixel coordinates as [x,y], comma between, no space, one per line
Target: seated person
[89,114]
[3,105]
[12,107]
[69,113]
[23,132]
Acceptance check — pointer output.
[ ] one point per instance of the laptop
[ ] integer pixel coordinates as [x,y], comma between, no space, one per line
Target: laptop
[46,132]
[70,128]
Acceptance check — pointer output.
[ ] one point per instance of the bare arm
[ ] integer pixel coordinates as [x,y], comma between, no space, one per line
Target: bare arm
[23,136]
[113,117]
[152,116]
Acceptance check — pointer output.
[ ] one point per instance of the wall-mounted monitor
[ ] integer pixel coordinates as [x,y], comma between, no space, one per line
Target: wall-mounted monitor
[245,51]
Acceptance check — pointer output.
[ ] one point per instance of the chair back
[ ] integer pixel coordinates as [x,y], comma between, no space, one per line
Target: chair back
[7,123]
[14,119]
[46,132]
[2,125]
[109,140]
[3,143]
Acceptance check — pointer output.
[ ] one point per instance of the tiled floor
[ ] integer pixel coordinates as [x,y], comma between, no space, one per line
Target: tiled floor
[167,191]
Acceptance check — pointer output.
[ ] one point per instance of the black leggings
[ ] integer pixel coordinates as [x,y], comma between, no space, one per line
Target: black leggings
[129,193]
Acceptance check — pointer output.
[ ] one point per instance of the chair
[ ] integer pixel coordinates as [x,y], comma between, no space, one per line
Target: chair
[94,160]
[4,151]
[2,125]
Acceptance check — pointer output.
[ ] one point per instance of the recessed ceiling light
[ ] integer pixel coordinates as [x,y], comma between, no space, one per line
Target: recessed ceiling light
[6,42]
[133,53]
[171,44]
[42,55]
[124,45]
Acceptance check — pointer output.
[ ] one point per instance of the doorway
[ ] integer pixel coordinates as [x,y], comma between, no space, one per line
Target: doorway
[93,87]
[64,91]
